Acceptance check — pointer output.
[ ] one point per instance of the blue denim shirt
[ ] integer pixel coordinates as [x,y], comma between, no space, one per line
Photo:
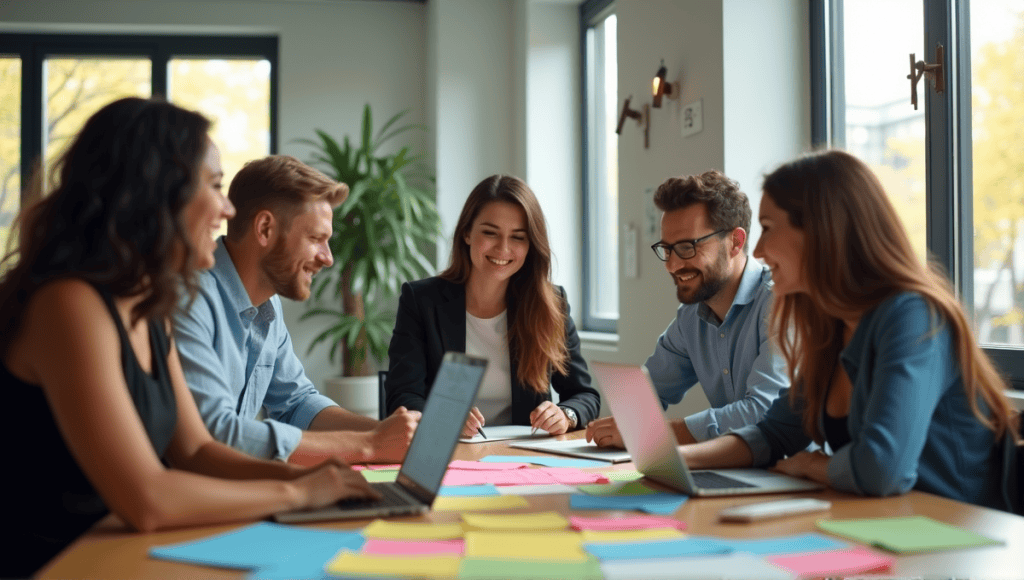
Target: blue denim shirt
[733,360]
[910,423]
[238,358]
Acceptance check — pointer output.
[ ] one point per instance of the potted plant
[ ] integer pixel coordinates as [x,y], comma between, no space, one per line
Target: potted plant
[381,233]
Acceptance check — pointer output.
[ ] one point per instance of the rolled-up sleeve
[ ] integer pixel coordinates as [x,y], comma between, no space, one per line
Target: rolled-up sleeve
[779,434]
[291,396]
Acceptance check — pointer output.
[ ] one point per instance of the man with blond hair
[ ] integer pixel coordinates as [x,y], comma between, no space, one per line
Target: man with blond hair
[235,349]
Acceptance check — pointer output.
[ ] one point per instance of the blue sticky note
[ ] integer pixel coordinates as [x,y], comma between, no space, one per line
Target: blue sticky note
[272,549]
[485,489]
[654,503]
[545,460]
[659,549]
[785,544]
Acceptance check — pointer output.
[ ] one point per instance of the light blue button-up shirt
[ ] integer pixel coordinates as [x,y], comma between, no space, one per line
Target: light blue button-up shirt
[733,360]
[238,358]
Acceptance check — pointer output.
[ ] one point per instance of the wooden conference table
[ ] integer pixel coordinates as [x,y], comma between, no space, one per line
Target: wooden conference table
[110,550]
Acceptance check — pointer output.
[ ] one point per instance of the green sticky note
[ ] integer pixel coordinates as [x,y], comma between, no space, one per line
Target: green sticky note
[906,534]
[380,475]
[626,488]
[623,474]
[501,569]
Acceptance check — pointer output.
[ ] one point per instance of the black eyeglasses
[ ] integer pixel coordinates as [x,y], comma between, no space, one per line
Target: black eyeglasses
[685,249]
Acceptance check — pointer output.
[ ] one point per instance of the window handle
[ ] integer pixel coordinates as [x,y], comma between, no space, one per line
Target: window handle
[932,71]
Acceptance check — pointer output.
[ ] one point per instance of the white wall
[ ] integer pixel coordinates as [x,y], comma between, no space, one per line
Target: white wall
[747,61]
[333,58]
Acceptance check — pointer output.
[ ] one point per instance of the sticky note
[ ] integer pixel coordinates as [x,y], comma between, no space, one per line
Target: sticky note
[839,562]
[480,466]
[500,502]
[905,534]
[521,569]
[519,545]
[389,530]
[380,475]
[745,566]
[481,490]
[785,544]
[412,547]
[630,536]
[657,503]
[533,521]
[693,546]
[433,566]
[623,474]
[618,488]
[626,523]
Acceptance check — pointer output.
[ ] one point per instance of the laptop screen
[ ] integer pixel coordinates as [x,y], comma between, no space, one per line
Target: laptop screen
[444,415]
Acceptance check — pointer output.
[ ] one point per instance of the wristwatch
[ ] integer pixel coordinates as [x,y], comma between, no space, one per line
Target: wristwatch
[571,415]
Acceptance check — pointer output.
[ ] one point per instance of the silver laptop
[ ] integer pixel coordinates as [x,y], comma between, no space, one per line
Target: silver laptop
[452,395]
[652,444]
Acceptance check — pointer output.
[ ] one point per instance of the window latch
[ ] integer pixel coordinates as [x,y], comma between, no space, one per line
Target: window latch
[932,71]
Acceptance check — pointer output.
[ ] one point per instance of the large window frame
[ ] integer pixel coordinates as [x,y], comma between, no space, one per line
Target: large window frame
[590,11]
[34,49]
[948,139]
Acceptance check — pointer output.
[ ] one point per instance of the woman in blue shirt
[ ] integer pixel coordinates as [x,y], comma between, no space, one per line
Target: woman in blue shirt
[883,365]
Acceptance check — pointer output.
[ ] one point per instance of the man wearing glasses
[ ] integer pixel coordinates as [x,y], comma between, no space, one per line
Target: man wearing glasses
[719,337]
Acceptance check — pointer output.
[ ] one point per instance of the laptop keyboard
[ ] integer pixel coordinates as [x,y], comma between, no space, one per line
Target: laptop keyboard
[711,480]
[392,498]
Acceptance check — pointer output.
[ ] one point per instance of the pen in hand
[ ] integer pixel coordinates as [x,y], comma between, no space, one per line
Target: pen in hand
[480,430]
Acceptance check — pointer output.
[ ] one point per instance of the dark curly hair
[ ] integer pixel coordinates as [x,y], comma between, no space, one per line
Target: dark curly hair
[114,216]
[728,207]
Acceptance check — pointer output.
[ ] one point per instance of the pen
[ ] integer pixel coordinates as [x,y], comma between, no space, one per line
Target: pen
[480,430]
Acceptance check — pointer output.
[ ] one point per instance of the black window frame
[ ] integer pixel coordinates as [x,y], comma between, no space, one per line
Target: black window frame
[35,48]
[948,136]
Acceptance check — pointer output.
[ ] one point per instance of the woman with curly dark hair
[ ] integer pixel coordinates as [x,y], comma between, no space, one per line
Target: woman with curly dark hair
[99,413]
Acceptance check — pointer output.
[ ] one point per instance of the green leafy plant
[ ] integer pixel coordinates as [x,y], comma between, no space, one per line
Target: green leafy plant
[381,232]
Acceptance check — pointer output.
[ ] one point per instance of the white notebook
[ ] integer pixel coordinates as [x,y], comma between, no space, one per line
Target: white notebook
[576,448]
[506,432]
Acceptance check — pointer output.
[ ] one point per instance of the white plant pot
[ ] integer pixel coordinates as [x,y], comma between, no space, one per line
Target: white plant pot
[357,394]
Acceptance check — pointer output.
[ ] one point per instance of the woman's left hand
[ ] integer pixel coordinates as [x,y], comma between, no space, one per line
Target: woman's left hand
[806,464]
[549,417]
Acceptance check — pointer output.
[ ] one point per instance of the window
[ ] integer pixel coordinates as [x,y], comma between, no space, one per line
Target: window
[601,167]
[50,84]
[954,167]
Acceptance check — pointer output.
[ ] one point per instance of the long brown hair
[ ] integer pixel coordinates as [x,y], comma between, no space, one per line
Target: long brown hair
[114,217]
[856,255]
[536,333]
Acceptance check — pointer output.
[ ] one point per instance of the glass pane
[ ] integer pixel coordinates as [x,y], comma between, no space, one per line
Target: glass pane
[78,87]
[603,171]
[10,145]
[235,95]
[882,127]
[997,100]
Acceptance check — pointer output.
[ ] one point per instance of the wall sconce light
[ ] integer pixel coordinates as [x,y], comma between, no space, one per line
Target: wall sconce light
[643,118]
[661,88]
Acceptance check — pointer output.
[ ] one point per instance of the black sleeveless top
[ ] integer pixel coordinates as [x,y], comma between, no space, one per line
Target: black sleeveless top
[49,500]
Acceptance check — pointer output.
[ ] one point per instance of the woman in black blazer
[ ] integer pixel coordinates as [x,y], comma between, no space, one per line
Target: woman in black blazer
[500,265]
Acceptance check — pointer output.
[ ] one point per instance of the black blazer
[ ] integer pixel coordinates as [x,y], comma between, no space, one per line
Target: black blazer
[432,320]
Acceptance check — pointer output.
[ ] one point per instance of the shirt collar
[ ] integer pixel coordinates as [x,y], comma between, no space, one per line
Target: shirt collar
[750,282]
[227,276]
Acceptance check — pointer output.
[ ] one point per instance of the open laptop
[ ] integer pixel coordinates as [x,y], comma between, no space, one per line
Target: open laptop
[652,444]
[452,395]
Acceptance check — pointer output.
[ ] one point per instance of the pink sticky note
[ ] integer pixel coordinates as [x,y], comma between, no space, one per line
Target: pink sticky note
[412,547]
[358,467]
[573,475]
[540,476]
[481,466]
[627,523]
[849,561]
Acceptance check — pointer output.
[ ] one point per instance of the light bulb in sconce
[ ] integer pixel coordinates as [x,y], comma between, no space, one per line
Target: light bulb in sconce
[662,88]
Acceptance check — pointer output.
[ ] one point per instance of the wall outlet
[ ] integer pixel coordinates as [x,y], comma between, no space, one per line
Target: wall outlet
[691,119]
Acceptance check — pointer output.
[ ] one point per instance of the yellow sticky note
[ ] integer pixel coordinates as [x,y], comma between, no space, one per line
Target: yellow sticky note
[561,546]
[411,531]
[626,536]
[469,503]
[534,521]
[435,566]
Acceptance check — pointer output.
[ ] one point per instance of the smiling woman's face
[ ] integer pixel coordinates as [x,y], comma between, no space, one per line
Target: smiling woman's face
[498,240]
[781,248]
[207,209]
